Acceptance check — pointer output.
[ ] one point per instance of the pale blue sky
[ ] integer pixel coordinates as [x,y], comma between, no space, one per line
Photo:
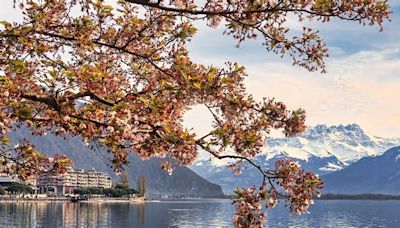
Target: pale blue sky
[362,84]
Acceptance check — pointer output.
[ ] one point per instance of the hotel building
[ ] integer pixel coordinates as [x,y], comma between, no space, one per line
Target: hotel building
[66,183]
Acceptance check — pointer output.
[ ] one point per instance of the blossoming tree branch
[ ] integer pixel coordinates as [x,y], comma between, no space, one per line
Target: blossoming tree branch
[119,74]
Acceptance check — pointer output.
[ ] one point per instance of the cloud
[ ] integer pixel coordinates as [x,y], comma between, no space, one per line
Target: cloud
[342,38]
[362,88]
[362,84]
[10,13]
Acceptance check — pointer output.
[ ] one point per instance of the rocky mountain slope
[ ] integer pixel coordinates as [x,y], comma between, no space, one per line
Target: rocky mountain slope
[378,174]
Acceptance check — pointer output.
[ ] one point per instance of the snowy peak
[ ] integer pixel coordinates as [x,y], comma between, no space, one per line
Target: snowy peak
[350,134]
[321,149]
[348,143]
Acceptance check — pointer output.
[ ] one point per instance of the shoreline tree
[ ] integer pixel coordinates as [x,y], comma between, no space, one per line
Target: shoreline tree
[121,76]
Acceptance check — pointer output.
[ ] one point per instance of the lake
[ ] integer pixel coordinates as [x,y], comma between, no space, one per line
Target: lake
[194,213]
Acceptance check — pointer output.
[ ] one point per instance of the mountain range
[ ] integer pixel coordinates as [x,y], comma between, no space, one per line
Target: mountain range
[183,181]
[377,175]
[321,149]
[349,161]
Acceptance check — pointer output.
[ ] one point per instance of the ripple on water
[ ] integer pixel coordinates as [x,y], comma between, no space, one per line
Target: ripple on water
[198,213]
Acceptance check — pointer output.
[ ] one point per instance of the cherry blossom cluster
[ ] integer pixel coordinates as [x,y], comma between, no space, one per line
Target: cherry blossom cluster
[299,185]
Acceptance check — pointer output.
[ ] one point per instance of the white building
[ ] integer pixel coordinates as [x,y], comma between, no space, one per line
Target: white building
[66,183]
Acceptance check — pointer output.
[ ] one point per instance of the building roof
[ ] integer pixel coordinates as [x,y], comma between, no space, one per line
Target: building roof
[7,179]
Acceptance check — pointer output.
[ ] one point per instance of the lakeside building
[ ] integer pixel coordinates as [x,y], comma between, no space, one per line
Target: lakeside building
[63,184]
[7,180]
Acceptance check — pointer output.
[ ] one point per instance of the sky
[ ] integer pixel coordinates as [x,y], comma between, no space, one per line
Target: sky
[362,84]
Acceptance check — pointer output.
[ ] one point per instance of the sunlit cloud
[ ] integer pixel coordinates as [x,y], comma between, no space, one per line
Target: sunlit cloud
[362,84]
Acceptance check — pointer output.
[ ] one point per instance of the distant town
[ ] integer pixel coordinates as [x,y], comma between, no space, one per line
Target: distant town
[75,184]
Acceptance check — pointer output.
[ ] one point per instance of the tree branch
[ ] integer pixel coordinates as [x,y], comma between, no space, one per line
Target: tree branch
[88,94]
[50,101]
[245,12]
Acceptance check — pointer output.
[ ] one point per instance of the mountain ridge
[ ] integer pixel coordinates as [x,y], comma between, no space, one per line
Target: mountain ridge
[377,175]
[321,149]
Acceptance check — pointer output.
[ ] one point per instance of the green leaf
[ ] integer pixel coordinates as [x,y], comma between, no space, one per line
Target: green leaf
[5,140]
[18,65]
[119,106]
[197,85]
[26,112]
[144,100]
[192,30]
[6,24]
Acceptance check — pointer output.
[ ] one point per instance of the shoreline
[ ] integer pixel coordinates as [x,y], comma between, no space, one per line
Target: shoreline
[99,199]
[68,199]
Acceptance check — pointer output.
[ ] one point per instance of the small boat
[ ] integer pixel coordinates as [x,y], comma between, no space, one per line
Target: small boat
[79,198]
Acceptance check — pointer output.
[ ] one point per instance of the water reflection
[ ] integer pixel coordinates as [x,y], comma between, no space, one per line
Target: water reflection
[352,213]
[205,213]
[64,214]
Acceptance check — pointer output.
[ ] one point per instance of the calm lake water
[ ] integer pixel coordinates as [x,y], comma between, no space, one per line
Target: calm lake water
[200,213]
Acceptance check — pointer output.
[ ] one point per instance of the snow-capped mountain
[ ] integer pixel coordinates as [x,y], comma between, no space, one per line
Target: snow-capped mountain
[218,173]
[347,143]
[322,149]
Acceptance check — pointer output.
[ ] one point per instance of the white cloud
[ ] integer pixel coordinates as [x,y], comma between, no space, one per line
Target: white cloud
[362,84]
[361,88]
